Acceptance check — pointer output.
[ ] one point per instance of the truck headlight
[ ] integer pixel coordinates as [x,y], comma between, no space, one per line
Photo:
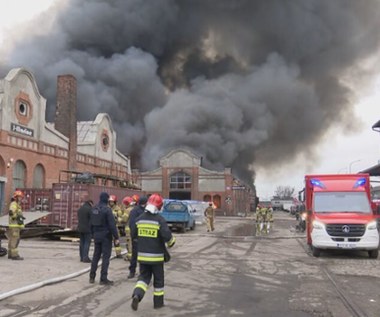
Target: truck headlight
[318,225]
[372,225]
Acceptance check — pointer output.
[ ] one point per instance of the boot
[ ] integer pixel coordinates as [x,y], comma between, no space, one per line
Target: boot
[131,275]
[17,258]
[106,282]
[135,302]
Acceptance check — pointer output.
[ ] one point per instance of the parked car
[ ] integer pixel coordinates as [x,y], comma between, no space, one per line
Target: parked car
[178,214]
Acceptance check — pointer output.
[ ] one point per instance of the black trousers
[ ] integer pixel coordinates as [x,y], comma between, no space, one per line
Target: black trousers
[103,248]
[146,273]
[133,264]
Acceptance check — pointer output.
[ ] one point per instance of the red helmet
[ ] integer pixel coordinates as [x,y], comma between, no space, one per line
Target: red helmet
[135,198]
[127,200]
[18,193]
[112,198]
[156,200]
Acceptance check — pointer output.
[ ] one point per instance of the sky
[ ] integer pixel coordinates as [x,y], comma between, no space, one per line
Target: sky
[343,149]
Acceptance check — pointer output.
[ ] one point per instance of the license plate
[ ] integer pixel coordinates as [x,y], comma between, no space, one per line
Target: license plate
[346,245]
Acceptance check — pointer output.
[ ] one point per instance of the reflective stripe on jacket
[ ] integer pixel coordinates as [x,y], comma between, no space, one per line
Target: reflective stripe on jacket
[15,211]
[152,233]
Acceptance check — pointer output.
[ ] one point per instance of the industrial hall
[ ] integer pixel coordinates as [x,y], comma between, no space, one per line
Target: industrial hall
[36,154]
[180,175]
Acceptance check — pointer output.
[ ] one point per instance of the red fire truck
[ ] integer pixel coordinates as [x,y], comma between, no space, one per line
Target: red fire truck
[340,213]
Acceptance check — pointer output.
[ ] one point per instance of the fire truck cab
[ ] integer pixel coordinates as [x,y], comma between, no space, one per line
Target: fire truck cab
[340,213]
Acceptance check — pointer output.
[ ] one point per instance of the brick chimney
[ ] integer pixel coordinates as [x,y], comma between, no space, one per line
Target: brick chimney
[66,114]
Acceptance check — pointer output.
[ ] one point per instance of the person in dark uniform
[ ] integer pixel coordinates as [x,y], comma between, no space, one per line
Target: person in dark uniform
[103,228]
[136,212]
[84,229]
[151,232]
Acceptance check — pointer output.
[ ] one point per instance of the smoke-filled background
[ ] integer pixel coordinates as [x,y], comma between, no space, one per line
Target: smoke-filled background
[243,83]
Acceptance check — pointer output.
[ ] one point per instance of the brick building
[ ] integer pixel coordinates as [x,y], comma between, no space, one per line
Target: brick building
[180,175]
[33,152]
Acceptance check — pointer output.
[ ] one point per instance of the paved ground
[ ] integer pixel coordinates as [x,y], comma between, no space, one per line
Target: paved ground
[230,272]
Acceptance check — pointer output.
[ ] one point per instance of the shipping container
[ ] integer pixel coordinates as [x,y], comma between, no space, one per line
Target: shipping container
[64,200]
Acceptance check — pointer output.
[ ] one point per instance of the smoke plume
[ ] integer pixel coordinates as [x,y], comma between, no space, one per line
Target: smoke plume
[243,83]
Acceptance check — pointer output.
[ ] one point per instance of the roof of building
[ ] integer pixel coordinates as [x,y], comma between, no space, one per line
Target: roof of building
[86,131]
[373,170]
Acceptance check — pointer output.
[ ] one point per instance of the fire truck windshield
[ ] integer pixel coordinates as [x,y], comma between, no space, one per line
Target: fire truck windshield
[341,202]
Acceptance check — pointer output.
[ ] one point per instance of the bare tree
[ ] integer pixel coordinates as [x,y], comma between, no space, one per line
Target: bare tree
[284,192]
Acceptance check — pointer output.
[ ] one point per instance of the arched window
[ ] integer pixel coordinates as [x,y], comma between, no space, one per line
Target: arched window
[19,175]
[2,166]
[180,180]
[39,176]
[216,200]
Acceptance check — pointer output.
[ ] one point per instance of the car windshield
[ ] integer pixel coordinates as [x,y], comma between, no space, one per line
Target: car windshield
[175,206]
[342,202]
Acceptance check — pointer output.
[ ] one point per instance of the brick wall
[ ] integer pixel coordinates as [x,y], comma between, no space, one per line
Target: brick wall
[65,116]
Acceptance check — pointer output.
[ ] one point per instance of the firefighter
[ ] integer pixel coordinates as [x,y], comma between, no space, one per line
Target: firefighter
[269,220]
[136,212]
[264,220]
[152,232]
[16,223]
[117,213]
[128,203]
[258,219]
[210,214]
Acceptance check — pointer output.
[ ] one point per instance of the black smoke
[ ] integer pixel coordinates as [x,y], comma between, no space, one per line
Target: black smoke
[243,83]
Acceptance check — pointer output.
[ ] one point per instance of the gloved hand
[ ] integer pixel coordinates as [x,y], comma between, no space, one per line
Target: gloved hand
[171,243]
[20,220]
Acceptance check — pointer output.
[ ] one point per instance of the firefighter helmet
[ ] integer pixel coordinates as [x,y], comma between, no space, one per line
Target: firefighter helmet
[112,198]
[127,201]
[135,198]
[156,200]
[18,193]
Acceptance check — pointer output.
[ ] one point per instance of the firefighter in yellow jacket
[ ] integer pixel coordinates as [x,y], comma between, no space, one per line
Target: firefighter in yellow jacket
[117,213]
[16,223]
[130,203]
[210,215]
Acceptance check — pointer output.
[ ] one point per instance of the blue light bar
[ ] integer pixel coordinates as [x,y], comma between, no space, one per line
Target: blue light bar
[317,183]
[360,182]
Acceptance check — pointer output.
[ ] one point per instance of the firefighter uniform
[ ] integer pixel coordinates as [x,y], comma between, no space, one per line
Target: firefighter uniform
[210,215]
[258,220]
[118,213]
[152,233]
[16,223]
[269,219]
[128,238]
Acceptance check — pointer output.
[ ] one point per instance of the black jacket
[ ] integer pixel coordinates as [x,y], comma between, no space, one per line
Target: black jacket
[84,214]
[103,224]
[152,233]
[136,212]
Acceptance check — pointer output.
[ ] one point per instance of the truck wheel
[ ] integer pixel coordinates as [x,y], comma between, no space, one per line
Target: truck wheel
[193,227]
[183,228]
[373,254]
[315,251]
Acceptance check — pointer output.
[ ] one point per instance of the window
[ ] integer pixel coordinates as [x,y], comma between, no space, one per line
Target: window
[19,175]
[341,202]
[39,176]
[23,108]
[105,140]
[180,180]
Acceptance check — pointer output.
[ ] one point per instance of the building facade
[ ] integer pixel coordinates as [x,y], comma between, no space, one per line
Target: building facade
[36,154]
[180,175]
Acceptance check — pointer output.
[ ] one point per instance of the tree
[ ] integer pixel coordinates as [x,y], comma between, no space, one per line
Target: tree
[284,192]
